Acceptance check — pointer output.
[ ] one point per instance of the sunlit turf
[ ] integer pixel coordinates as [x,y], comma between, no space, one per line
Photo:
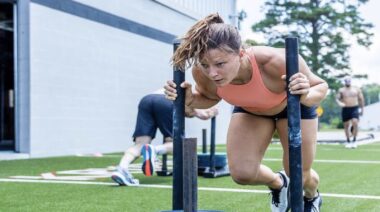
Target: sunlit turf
[335,178]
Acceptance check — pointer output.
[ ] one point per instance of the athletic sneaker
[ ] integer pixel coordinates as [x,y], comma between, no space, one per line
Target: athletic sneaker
[280,196]
[313,204]
[354,145]
[149,158]
[123,177]
[348,145]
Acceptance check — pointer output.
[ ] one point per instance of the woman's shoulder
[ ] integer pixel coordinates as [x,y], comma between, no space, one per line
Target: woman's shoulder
[270,60]
[265,54]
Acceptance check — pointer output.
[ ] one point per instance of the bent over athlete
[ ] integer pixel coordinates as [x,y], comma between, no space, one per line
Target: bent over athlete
[154,112]
[253,80]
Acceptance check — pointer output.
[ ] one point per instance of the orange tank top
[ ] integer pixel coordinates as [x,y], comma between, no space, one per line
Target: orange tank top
[252,96]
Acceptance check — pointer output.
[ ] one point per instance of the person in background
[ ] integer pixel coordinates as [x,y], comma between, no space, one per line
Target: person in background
[154,112]
[253,80]
[351,99]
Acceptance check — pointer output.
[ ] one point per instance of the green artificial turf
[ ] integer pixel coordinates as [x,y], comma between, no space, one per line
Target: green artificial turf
[335,178]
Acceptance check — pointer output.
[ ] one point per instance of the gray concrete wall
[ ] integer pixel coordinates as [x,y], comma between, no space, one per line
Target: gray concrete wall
[86,77]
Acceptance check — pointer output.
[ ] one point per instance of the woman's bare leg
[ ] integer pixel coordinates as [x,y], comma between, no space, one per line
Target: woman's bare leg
[247,140]
[309,129]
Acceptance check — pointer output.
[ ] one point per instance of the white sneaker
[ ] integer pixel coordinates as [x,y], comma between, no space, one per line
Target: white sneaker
[279,202]
[313,204]
[354,145]
[348,145]
[149,158]
[123,177]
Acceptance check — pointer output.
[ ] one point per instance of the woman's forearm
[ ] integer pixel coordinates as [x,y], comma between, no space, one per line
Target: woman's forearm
[202,102]
[315,95]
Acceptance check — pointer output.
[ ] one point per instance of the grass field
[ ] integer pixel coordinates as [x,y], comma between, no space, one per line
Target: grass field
[350,181]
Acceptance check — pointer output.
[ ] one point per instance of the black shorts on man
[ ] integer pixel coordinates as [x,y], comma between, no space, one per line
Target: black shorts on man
[349,113]
[154,111]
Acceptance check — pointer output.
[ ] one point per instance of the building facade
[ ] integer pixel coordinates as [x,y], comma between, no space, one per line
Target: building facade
[371,117]
[73,72]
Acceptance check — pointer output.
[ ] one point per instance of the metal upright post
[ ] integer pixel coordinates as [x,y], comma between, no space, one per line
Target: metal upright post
[212,145]
[204,141]
[190,183]
[294,129]
[178,135]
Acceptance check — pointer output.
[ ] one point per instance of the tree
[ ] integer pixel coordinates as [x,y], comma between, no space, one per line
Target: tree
[250,42]
[331,110]
[371,93]
[324,27]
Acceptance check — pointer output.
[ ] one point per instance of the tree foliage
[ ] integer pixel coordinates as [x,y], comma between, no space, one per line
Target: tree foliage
[324,28]
[250,42]
[331,109]
[371,93]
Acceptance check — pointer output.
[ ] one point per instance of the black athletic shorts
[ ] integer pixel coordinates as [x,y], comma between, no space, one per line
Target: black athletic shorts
[350,113]
[306,113]
[155,111]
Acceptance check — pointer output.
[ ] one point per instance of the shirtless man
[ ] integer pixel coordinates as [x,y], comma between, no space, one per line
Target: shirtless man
[350,98]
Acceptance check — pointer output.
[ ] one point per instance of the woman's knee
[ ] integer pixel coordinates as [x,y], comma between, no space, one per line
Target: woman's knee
[244,176]
[309,175]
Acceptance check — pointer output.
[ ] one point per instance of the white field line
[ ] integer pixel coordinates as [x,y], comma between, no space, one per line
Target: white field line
[323,161]
[94,173]
[170,162]
[334,161]
[348,196]
[331,149]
